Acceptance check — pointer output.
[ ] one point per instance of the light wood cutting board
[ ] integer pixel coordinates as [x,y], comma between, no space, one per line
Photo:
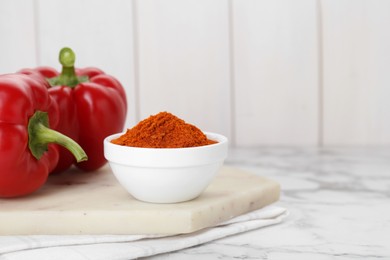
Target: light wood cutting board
[94,203]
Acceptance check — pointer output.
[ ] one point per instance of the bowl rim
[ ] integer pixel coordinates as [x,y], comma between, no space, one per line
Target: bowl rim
[166,157]
[221,140]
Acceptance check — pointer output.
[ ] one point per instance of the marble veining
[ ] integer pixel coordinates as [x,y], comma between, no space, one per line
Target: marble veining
[338,200]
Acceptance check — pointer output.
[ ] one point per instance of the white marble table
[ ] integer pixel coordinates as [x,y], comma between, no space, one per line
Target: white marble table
[339,203]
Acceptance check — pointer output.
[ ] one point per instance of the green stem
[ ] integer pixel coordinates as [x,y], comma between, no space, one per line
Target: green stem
[68,75]
[40,136]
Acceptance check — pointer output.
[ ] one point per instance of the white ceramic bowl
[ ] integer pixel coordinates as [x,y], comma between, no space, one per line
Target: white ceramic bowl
[166,175]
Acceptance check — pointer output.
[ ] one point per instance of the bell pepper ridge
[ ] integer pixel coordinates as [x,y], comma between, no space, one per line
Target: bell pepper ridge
[92,106]
[40,135]
[27,114]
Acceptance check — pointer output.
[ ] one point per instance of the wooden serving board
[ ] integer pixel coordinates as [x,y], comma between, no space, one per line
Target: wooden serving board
[94,203]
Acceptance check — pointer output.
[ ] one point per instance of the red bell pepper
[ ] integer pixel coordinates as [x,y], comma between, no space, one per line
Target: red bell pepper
[92,106]
[26,153]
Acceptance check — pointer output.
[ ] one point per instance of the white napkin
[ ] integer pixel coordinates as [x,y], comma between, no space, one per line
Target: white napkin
[129,246]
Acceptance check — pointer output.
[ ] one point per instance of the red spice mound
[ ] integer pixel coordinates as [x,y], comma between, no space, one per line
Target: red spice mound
[163,130]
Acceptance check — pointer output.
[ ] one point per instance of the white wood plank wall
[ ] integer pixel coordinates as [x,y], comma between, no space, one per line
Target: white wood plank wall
[269,72]
[356,55]
[275,72]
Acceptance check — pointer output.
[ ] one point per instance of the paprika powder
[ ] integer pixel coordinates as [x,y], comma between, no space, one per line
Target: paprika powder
[163,130]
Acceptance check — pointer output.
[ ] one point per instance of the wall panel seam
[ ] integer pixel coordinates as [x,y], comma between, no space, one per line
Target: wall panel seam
[136,93]
[37,35]
[321,101]
[232,84]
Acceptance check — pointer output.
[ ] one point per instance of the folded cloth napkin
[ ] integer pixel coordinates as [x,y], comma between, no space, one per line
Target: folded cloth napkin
[84,247]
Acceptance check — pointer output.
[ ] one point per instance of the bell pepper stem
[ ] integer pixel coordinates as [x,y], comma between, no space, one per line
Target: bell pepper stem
[68,76]
[67,57]
[40,135]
